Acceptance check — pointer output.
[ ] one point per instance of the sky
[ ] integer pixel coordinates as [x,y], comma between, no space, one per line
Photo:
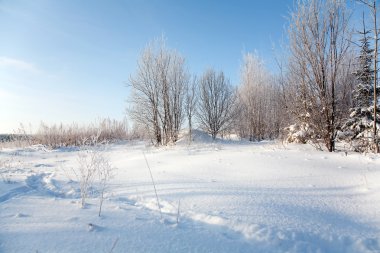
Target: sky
[70,61]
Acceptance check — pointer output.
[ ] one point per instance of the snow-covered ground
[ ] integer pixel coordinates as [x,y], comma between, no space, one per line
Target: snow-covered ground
[232,196]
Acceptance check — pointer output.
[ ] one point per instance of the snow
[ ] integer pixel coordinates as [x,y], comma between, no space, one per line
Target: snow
[232,197]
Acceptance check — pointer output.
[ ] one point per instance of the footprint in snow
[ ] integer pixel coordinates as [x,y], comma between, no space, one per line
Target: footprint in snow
[126,201]
[121,208]
[72,219]
[140,218]
[91,227]
[21,215]
[117,208]
[43,165]
[170,222]
[230,235]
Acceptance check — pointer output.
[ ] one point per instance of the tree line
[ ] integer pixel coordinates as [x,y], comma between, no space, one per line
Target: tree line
[326,90]
[165,96]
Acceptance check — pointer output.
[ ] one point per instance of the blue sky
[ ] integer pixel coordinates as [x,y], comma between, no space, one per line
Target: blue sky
[68,61]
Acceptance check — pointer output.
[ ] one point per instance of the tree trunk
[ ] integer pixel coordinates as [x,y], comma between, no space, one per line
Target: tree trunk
[376,144]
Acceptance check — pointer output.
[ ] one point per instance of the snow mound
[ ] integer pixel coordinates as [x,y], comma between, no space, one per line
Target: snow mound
[36,148]
[46,184]
[197,136]
[202,138]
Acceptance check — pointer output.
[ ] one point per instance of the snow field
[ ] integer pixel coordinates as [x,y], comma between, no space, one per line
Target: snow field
[234,197]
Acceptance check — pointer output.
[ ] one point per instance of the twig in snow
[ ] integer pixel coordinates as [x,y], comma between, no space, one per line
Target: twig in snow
[179,203]
[105,173]
[114,244]
[365,180]
[154,185]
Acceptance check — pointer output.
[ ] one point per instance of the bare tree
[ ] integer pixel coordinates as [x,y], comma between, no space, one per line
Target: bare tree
[259,101]
[216,102]
[158,90]
[319,42]
[146,94]
[179,79]
[190,104]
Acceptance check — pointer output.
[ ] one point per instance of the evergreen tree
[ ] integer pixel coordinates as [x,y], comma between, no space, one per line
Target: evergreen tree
[363,92]
[358,127]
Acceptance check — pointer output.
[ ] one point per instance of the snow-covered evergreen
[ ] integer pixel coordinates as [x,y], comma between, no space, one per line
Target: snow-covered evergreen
[358,128]
[363,92]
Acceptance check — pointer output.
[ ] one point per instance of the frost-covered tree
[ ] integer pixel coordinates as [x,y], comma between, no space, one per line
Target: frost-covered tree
[259,100]
[190,104]
[178,83]
[216,102]
[158,92]
[319,41]
[145,97]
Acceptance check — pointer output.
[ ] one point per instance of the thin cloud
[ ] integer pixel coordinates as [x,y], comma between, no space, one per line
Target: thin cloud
[17,64]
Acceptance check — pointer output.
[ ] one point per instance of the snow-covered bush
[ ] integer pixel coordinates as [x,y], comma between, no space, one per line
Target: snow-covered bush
[5,166]
[8,165]
[105,173]
[87,170]
[297,133]
[301,132]
[92,164]
[358,129]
